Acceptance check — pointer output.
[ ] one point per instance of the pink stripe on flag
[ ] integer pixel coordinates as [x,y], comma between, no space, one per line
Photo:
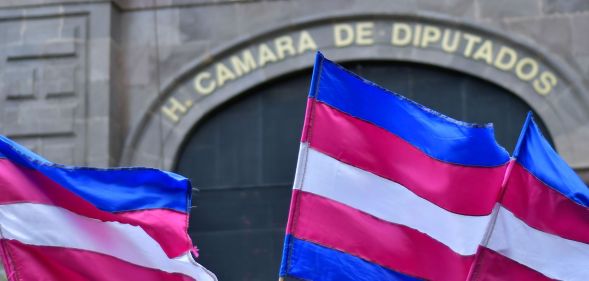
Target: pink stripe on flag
[544,208]
[56,263]
[307,121]
[397,247]
[460,189]
[19,184]
[492,266]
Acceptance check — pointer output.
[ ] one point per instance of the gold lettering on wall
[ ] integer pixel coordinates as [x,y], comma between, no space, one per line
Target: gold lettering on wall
[343,35]
[174,109]
[475,47]
[506,58]
[401,34]
[448,40]
[306,43]
[203,84]
[431,34]
[243,64]
[545,83]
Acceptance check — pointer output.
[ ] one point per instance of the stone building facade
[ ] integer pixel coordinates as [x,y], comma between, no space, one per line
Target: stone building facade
[127,82]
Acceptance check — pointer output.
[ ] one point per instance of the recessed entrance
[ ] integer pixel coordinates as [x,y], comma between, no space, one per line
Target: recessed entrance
[242,156]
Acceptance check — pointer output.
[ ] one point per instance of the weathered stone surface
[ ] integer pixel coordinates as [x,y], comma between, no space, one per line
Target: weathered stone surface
[209,22]
[52,60]
[46,50]
[564,6]
[59,152]
[19,83]
[39,120]
[60,81]
[458,8]
[580,34]
[553,33]
[34,3]
[508,9]
[105,65]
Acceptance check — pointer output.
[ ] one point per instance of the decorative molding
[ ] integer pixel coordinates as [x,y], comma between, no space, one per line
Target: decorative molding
[44,70]
[179,94]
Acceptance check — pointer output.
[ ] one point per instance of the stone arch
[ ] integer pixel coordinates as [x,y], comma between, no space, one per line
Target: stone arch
[561,110]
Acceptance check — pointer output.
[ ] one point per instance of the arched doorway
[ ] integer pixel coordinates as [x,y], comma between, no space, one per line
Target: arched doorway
[242,156]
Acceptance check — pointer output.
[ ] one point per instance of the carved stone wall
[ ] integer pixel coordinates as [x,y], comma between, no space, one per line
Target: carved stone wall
[85,81]
[55,82]
[44,84]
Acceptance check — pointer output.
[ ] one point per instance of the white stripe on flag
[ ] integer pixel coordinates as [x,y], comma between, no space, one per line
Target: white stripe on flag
[551,255]
[357,188]
[46,225]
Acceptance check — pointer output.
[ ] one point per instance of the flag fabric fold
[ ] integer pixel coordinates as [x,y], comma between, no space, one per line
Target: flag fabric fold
[541,228]
[386,189]
[75,223]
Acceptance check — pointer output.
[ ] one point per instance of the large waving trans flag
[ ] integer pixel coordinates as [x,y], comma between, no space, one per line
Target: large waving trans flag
[386,189]
[68,223]
[541,228]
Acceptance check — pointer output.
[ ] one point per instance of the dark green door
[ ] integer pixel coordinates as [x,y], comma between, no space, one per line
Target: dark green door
[242,156]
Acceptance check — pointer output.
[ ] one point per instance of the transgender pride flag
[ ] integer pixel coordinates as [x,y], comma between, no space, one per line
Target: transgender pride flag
[541,230]
[385,188]
[66,223]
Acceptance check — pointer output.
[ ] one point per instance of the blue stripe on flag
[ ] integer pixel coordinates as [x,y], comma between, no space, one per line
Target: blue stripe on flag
[439,136]
[535,153]
[310,261]
[113,190]
[286,246]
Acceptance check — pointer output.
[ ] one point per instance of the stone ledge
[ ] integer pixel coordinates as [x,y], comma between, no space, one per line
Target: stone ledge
[47,50]
[121,4]
[33,3]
